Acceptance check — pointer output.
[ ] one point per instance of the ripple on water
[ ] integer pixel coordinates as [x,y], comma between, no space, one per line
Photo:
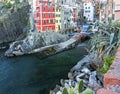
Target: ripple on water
[32,75]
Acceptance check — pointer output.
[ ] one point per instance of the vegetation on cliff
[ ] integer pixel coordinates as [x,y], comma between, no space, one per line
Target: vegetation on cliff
[13,21]
[105,43]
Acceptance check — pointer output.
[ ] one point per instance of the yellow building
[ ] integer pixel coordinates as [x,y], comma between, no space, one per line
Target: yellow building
[2,0]
[58,23]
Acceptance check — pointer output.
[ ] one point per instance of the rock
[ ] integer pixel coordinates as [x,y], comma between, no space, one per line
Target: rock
[96,63]
[36,42]
[51,92]
[94,86]
[86,82]
[76,73]
[59,92]
[70,75]
[56,90]
[70,82]
[80,76]
[67,85]
[62,82]
[92,78]
[85,70]
[85,61]
[86,77]
[100,78]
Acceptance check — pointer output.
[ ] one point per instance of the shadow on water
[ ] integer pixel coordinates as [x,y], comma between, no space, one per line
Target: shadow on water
[32,74]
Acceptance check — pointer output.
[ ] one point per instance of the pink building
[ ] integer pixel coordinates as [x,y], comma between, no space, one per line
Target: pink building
[75,15]
[117,9]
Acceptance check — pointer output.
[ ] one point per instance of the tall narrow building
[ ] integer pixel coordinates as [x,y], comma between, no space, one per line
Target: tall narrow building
[58,23]
[45,15]
[117,10]
[89,11]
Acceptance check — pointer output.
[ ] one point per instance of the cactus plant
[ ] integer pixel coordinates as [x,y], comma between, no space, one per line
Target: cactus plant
[77,90]
[64,91]
[70,91]
[88,91]
[80,86]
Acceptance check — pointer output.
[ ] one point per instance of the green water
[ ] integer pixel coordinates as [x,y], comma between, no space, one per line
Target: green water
[34,75]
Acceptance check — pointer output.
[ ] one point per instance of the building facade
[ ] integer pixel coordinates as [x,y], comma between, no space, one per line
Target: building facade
[106,10]
[117,10]
[45,16]
[89,11]
[66,14]
[58,22]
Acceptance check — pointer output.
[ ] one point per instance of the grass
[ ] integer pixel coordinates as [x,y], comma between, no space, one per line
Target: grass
[107,62]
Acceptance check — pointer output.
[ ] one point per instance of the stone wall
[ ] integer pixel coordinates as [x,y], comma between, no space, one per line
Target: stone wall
[13,22]
[112,77]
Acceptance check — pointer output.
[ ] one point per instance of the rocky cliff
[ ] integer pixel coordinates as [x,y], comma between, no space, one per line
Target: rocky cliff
[13,22]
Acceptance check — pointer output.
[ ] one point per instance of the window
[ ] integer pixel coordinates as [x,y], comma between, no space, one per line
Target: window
[56,21]
[88,7]
[47,21]
[60,21]
[46,28]
[44,8]
[53,15]
[53,9]
[85,7]
[44,15]
[48,7]
[51,21]
[48,14]
[57,9]
[44,21]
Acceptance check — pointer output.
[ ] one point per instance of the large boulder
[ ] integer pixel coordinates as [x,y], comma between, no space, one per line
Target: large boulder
[35,40]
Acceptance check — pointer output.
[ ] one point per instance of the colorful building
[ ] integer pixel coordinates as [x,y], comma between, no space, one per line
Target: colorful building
[117,10]
[75,14]
[89,11]
[66,15]
[45,15]
[58,23]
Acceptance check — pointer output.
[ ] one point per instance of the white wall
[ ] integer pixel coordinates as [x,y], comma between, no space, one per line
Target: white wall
[89,11]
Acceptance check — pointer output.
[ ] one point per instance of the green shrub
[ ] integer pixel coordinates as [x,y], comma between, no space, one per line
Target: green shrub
[107,62]
[64,91]
[116,24]
[78,89]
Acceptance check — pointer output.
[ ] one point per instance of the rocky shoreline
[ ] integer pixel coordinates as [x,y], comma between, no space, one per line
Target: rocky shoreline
[86,69]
